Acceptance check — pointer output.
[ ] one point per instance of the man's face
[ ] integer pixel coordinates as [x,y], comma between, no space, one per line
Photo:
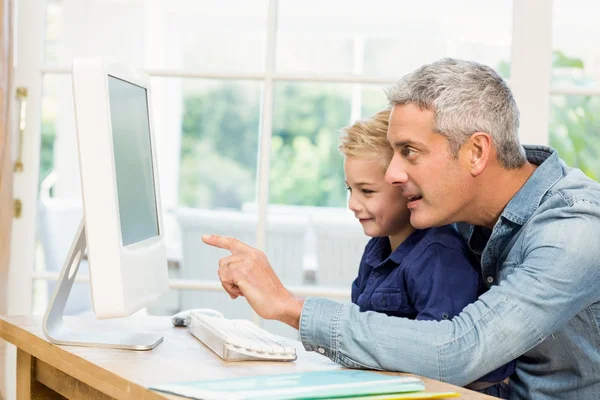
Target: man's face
[437,185]
[379,206]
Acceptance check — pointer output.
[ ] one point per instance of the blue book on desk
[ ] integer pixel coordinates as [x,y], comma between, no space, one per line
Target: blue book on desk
[301,385]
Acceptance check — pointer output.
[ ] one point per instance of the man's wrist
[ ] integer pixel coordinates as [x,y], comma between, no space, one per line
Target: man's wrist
[292,312]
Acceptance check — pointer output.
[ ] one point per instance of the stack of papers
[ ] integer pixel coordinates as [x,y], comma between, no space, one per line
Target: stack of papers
[337,384]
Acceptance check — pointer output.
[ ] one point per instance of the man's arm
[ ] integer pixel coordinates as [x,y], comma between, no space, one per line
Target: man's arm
[556,279]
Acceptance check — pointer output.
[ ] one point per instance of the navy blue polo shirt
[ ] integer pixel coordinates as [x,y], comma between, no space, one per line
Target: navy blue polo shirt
[432,275]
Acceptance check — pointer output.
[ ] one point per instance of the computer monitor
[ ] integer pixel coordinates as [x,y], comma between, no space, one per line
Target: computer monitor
[122,223]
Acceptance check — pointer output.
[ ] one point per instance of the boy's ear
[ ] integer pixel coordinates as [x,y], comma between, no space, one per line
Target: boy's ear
[479,149]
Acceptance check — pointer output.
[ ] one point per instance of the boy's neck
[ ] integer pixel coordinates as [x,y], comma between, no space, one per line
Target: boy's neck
[399,237]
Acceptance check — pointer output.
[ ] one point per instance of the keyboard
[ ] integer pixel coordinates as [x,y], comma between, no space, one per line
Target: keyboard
[239,339]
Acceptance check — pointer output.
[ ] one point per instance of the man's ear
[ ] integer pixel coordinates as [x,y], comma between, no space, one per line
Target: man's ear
[479,151]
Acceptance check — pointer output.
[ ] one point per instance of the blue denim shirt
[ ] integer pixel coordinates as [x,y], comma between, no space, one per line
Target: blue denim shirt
[432,275]
[542,265]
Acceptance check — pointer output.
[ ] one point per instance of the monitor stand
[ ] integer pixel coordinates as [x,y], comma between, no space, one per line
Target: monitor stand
[58,332]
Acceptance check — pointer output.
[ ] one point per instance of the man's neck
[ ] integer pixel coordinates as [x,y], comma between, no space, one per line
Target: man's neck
[496,191]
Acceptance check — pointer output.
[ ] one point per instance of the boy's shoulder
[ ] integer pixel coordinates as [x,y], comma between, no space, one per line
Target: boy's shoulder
[440,255]
[445,243]
[376,243]
[376,250]
[446,236]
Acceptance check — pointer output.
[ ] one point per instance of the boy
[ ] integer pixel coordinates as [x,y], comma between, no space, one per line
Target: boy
[424,274]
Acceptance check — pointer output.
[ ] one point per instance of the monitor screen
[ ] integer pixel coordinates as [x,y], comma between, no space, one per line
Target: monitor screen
[133,160]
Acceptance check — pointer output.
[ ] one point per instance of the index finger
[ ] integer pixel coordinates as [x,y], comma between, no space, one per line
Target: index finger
[227,243]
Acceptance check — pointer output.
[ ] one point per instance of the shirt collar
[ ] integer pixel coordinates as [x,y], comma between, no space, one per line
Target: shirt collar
[524,203]
[380,253]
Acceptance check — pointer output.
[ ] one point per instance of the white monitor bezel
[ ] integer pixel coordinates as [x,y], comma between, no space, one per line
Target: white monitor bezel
[123,278]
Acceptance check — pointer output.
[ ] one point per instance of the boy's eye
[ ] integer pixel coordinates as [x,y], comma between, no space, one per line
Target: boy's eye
[367,191]
[348,188]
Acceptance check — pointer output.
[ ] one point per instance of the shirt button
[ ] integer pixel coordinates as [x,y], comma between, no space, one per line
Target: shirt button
[490,279]
[321,350]
[383,302]
[376,274]
[445,316]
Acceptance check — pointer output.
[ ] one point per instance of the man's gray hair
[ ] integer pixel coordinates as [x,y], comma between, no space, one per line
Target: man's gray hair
[465,97]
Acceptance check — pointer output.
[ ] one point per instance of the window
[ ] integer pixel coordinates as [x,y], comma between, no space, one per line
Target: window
[575,131]
[219,142]
[306,168]
[389,37]
[207,35]
[213,64]
[575,104]
[576,59]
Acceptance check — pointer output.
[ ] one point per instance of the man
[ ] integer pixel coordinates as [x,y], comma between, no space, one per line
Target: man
[533,222]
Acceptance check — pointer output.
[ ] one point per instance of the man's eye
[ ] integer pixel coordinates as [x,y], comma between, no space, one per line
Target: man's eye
[367,191]
[409,152]
[348,188]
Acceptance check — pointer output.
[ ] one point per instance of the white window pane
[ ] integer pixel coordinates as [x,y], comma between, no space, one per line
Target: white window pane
[389,37]
[219,142]
[575,132]
[575,35]
[51,107]
[58,150]
[208,35]
[306,166]
[373,100]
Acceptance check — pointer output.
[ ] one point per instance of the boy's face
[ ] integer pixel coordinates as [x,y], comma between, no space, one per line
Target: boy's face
[379,206]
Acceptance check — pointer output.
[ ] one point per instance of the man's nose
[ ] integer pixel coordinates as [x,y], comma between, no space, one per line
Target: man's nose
[396,172]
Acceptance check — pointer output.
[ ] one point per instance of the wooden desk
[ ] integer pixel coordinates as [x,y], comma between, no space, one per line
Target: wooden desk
[46,371]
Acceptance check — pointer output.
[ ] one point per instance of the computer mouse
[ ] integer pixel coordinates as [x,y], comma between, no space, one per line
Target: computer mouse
[182,318]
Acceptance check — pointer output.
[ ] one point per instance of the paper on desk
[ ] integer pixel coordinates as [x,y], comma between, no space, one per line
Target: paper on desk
[406,396]
[301,385]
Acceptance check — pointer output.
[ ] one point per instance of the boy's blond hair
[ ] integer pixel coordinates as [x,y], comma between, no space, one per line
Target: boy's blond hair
[368,138]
